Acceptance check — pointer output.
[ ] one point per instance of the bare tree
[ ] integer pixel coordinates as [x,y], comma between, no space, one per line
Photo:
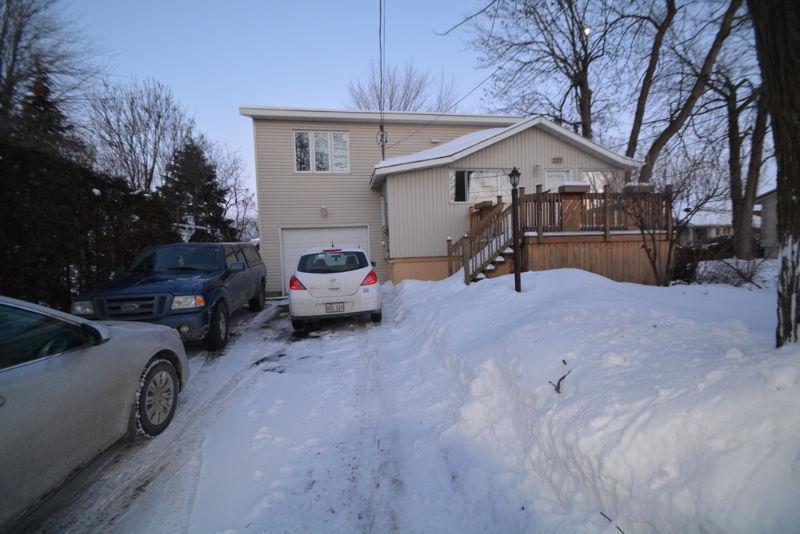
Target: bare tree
[136,129]
[572,60]
[34,40]
[686,105]
[240,203]
[405,89]
[552,55]
[659,23]
[691,178]
[736,88]
[778,45]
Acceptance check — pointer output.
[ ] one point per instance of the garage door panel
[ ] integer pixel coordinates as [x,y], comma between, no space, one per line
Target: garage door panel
[296,240]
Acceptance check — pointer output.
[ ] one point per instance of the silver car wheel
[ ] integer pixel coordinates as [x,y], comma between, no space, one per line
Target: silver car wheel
[159,397]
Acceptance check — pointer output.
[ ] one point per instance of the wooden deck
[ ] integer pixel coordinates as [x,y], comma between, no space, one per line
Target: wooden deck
[596,232]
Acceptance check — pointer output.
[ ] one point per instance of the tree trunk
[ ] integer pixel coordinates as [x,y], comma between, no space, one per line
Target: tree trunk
[744,231]
[698,87]
[778,44]
[585,104]
[647,81]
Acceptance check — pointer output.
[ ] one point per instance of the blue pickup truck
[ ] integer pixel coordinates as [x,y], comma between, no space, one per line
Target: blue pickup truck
[191,287]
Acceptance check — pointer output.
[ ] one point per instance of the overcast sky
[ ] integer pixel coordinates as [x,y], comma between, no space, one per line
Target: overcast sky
[217,56]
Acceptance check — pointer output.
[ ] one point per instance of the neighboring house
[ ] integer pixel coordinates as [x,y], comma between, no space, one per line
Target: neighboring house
[320,180]
[707,224]
[769,222]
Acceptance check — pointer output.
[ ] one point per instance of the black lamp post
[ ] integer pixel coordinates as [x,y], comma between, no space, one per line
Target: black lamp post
[513,176]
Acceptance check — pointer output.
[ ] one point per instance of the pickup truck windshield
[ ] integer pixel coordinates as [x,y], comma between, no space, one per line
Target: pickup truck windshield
[184,259]
[336,262]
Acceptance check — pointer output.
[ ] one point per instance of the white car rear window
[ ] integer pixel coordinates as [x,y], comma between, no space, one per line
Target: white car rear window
[332,262]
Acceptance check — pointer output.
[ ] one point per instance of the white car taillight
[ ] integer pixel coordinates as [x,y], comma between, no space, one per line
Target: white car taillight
[370,279]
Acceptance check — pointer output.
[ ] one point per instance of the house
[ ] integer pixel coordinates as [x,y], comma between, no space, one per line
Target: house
[320,180]
[768,211]
[707,224]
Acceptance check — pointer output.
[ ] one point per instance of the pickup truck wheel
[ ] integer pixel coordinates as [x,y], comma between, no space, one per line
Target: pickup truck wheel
[257,303]
[217,336]
[156,398]
[298,324]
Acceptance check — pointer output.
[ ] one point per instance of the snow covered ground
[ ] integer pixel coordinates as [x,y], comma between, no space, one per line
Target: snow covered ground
[674,415]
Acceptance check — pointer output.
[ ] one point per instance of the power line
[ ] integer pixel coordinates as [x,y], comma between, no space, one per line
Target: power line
[457,102]
[382,138]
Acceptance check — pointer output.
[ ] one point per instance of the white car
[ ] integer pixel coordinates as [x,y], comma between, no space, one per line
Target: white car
[334,282]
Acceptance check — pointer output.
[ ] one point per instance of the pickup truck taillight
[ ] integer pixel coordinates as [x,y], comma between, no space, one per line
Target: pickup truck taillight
[295,284]
[370,279]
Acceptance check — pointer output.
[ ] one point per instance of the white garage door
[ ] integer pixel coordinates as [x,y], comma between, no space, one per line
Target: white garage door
[295,240]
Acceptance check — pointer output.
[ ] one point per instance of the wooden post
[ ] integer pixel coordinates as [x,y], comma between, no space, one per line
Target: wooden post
[606,211]
[668,207]
[449,256]
[539,214]
[466,250]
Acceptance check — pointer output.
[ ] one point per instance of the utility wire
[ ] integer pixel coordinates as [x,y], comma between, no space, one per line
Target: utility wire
[457,102]
[382,138]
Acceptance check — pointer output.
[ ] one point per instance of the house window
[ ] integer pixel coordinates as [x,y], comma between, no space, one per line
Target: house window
[329,150]
[477,186]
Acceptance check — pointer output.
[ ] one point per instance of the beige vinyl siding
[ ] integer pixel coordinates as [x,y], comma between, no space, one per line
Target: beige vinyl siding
[288,199]
[421,214]
[529,149]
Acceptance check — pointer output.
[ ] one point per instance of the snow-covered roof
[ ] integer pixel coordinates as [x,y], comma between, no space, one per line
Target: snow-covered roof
[712,218]
[389,117]
[470,143]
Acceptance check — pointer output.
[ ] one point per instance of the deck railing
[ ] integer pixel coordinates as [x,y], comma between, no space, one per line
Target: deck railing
[481,245]
[568,211]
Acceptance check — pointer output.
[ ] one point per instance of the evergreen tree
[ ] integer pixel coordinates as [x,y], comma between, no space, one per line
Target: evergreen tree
[192,188]
[41,124]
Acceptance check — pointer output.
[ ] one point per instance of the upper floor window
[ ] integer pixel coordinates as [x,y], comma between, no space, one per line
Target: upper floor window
[321,151]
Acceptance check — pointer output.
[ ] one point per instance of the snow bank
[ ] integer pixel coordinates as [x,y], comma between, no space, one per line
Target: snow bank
[675,414]
[760,273]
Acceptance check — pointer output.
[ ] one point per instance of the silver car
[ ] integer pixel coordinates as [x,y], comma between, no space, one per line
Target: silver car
[70,388]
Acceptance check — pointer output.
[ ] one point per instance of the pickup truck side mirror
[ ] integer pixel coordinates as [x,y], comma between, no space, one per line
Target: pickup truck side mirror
[373,264]
[236,267]
[118,271]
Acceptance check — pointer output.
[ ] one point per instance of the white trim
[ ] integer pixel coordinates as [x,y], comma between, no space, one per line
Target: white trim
[311,151]
[342,115]
[311,226]
[558,131]
[589,232]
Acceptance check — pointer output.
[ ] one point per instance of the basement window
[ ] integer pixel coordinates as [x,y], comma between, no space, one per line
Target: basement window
[317,151]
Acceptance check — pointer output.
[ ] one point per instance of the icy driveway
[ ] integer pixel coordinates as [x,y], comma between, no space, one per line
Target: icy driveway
[675,415]
[332,432]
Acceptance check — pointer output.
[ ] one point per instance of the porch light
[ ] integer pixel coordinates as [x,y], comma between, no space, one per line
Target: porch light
[514,177]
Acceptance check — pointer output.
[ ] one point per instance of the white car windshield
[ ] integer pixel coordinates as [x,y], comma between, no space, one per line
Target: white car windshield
[332,262]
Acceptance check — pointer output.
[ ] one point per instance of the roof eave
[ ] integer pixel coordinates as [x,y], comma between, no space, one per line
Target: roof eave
[389,117]
[558,131]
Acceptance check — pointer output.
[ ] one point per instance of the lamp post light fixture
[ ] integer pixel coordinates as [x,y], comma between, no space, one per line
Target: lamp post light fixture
[513,177]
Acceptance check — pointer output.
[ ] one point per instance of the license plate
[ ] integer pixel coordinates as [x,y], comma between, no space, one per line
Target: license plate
[334,307]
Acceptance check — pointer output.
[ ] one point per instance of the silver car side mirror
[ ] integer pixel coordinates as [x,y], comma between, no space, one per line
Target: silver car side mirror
[96,334]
